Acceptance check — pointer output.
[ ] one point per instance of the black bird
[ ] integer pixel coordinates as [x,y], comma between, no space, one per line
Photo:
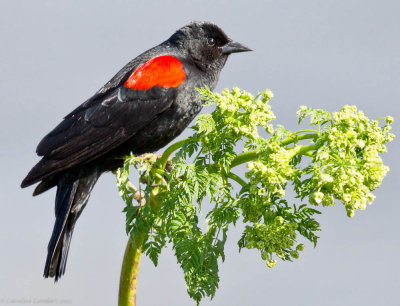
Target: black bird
[143,107]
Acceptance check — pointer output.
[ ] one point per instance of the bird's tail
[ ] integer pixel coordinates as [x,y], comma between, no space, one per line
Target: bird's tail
[73,191]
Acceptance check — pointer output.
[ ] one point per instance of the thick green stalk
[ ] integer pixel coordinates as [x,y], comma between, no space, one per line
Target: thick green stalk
[131,262]
[129,275]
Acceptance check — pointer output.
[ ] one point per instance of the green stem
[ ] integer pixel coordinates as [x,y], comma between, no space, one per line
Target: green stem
[129,275]
[164,158]
[292,138]
[237,179]
[244,158]
[306,131]
[251,155]
[309,154]
[304,150]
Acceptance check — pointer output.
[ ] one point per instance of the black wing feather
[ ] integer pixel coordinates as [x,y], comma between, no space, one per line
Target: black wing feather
[96,129]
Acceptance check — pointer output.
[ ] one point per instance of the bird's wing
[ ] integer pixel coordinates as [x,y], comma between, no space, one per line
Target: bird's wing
[95,128]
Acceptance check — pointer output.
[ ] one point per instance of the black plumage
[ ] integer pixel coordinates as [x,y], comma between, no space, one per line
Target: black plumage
[118,120]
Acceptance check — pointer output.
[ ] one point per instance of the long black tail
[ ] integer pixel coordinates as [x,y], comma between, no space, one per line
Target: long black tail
[73,191]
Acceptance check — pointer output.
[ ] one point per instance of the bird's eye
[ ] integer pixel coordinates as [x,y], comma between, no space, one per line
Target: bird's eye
[211,41]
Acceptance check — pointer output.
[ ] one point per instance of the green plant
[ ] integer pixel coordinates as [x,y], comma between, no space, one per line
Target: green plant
[337,159]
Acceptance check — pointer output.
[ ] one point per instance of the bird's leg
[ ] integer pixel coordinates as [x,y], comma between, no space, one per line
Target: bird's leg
[138,195]
[156,158]
[153,159]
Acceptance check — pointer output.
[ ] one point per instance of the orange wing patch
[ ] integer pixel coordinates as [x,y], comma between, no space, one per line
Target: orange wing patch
[164,71]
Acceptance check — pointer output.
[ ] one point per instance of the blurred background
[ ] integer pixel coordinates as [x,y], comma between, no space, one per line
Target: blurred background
[325,54]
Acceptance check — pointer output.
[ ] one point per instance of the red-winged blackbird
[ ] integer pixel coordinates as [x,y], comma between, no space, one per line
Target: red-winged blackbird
[143,107]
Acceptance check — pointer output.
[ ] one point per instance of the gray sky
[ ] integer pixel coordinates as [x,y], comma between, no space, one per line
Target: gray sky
[55,54]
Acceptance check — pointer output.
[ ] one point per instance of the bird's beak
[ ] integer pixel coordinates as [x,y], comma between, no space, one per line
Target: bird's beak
[234,47]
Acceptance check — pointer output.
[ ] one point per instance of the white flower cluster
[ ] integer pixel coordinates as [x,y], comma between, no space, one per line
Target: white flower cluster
[272,170]
[273,237]
[348,166]
[238,115]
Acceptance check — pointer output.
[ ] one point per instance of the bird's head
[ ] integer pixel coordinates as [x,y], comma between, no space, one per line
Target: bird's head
[206,44]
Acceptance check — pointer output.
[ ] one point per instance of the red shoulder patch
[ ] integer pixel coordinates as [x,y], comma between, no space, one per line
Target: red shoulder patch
[163,71]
